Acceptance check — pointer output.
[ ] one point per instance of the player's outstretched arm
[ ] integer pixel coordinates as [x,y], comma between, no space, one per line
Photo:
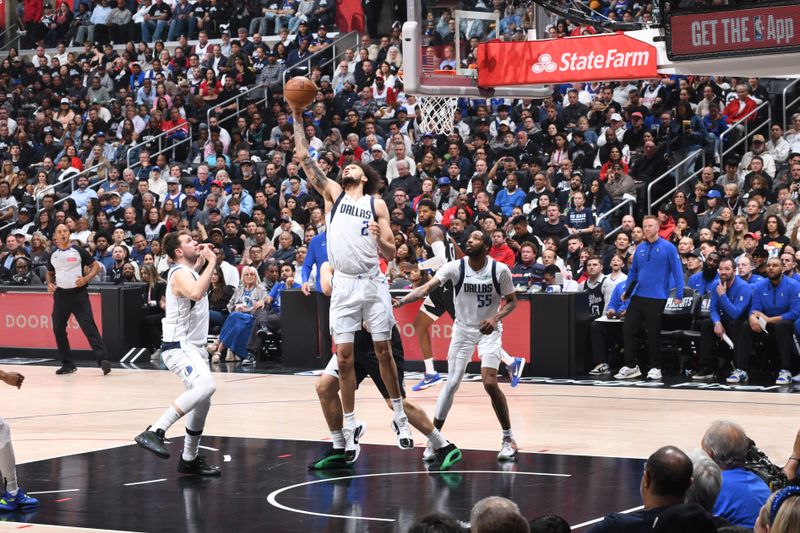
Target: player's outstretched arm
[329,189]
[418,293]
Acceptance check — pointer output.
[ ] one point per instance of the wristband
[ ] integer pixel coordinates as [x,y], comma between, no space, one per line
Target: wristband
[793,458]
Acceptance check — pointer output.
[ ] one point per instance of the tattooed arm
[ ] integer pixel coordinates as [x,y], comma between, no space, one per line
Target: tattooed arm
[328,188]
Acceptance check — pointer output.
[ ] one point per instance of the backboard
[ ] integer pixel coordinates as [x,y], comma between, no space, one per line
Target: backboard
[434,65]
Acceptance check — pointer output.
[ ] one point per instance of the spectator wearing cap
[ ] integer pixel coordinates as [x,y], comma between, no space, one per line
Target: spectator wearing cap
[666,478]
[155,183]
[742,493]
[24,221]
[617,126]
[618,183]
[445,195]
[174,192]
[758,148]
[634,136]
[713,210]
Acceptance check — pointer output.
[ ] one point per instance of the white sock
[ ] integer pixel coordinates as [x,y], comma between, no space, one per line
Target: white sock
[397,405]
[437,439]
[429,369]
[507,359]
[349,420]
[169,417]
[508,434]
[190,444]
[338,439]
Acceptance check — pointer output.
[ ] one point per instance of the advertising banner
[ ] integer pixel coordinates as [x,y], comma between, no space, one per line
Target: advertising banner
[589,58]
[25,321]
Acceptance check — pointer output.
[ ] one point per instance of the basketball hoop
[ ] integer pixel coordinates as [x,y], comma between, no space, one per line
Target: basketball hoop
[436,114]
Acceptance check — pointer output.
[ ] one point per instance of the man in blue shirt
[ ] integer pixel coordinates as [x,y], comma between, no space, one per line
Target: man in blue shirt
[775,307]
[607,329]
[317,254]
[730,302]
[742,492]
[702,281]
[656,268]
[744,266]
[510,197]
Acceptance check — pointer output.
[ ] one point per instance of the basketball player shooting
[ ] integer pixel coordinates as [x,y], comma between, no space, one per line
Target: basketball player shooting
[358,232]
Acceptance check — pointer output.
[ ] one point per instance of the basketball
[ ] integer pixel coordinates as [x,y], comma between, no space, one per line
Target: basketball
[299,92]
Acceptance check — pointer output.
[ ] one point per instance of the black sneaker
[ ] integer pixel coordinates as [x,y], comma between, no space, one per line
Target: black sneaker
[198,467]
[703,374]
[67,369]
[332,460]
[445,458]
[106,366]
[153,441]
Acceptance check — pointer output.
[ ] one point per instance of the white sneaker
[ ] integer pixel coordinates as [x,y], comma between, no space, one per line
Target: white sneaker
[404,439]
[600,370]
[737,376]
[351,448]
[627,372]
[784,377]
[654,374]
[508,451]
[429,454]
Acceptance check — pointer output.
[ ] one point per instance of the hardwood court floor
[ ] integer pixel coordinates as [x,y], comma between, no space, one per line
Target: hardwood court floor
[54,416]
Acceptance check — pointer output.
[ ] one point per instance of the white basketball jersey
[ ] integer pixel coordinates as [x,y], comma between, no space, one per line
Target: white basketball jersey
[477,294]
[351,248]
[185,320]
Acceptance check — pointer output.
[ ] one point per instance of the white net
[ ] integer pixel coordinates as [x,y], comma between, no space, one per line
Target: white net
[436,114]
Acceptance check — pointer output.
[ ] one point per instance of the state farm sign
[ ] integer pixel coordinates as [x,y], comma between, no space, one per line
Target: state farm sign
[589,58]
[752,31]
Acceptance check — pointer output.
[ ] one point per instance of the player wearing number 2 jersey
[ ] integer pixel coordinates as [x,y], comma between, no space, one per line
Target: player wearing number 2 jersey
[358,233]
[479,283]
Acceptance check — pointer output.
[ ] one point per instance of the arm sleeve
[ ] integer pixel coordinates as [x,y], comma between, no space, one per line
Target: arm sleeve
[439,257]
[50,267]
[794,303]
[755,299]
[615,303]
[676,271]
[633,275]
[716,301]
[741,301]
[273,292]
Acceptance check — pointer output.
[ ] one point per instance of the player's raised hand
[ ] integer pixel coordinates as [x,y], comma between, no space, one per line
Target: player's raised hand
[14,379]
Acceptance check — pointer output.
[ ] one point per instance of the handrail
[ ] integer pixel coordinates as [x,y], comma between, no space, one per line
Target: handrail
[786,106]
[745,120]
[669,172]
[159,137]
[630,202]
[308,61]
[71,179]
[14,39]
[680,184]
[239,110]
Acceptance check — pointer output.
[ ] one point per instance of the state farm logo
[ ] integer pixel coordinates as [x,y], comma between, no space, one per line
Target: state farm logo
[606,60]
[545,64]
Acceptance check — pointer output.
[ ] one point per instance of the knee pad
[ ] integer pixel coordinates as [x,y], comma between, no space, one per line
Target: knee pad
[205,386]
